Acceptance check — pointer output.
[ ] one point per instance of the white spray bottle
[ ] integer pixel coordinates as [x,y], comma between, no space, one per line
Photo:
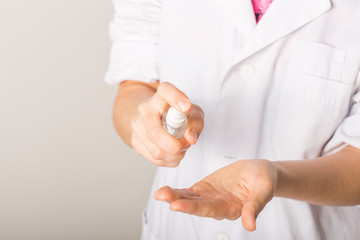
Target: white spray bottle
[175,122]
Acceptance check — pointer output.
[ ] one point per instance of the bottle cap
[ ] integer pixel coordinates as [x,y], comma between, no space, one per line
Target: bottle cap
[175,118]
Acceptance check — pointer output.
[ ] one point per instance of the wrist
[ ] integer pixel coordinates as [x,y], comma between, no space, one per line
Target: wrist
[280,179]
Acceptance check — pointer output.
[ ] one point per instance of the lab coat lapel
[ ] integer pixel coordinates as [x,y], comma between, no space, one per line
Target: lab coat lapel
[282,18]
[240,13]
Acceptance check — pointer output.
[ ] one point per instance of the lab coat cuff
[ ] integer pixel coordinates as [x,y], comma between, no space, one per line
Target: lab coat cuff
[132,61]
[348,133]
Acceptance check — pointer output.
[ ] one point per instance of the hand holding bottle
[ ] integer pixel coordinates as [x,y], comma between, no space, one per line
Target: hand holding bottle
[151,140]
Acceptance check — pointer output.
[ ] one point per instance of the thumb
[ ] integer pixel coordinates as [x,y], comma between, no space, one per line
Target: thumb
[249,213]
[174,97]
[195,124]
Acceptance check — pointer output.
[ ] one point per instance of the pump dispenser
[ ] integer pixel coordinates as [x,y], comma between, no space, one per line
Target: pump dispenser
[175,122]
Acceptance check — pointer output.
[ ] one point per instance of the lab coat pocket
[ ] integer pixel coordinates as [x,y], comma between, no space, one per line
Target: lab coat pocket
[317,59]
[312,103]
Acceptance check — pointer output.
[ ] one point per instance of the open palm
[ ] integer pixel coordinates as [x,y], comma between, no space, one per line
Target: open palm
[239,189]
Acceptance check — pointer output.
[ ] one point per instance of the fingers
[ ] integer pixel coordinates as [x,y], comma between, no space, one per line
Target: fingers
[213,208]
[169,194]
[154,131]
[167,161]
[174,97]
[195,124]
[197,191]
[155,154]
[188,202]
[155,143]
[222,195]
[204,204]
[142,151]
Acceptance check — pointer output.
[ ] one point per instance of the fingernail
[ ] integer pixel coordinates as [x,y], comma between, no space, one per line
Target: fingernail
[184,105]
[194,136]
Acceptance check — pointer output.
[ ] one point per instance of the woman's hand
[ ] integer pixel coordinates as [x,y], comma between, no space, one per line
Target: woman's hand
[239,189]
[151,140]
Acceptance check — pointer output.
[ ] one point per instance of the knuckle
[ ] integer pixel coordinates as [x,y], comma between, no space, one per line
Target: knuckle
[177,148]
[173,164]
[133,124]
[153,135]
[163,86]
[135,128]
[142,109]
[197,187]
[176,164]
[160,163]
[160,89]
[157,154]
[136,147]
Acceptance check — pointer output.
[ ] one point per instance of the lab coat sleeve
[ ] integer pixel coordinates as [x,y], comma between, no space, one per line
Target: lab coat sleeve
[348,132]
[134,32]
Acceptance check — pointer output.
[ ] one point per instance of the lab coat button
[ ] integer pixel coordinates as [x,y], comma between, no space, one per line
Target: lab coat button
[246,70]
[222,236]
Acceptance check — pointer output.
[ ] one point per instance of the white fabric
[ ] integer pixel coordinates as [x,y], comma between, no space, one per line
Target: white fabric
[134,31]
[285,89]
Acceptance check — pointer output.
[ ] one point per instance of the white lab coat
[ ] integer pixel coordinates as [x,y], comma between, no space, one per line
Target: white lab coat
[284,89]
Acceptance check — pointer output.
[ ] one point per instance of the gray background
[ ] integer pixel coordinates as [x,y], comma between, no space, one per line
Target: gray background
[64,172]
